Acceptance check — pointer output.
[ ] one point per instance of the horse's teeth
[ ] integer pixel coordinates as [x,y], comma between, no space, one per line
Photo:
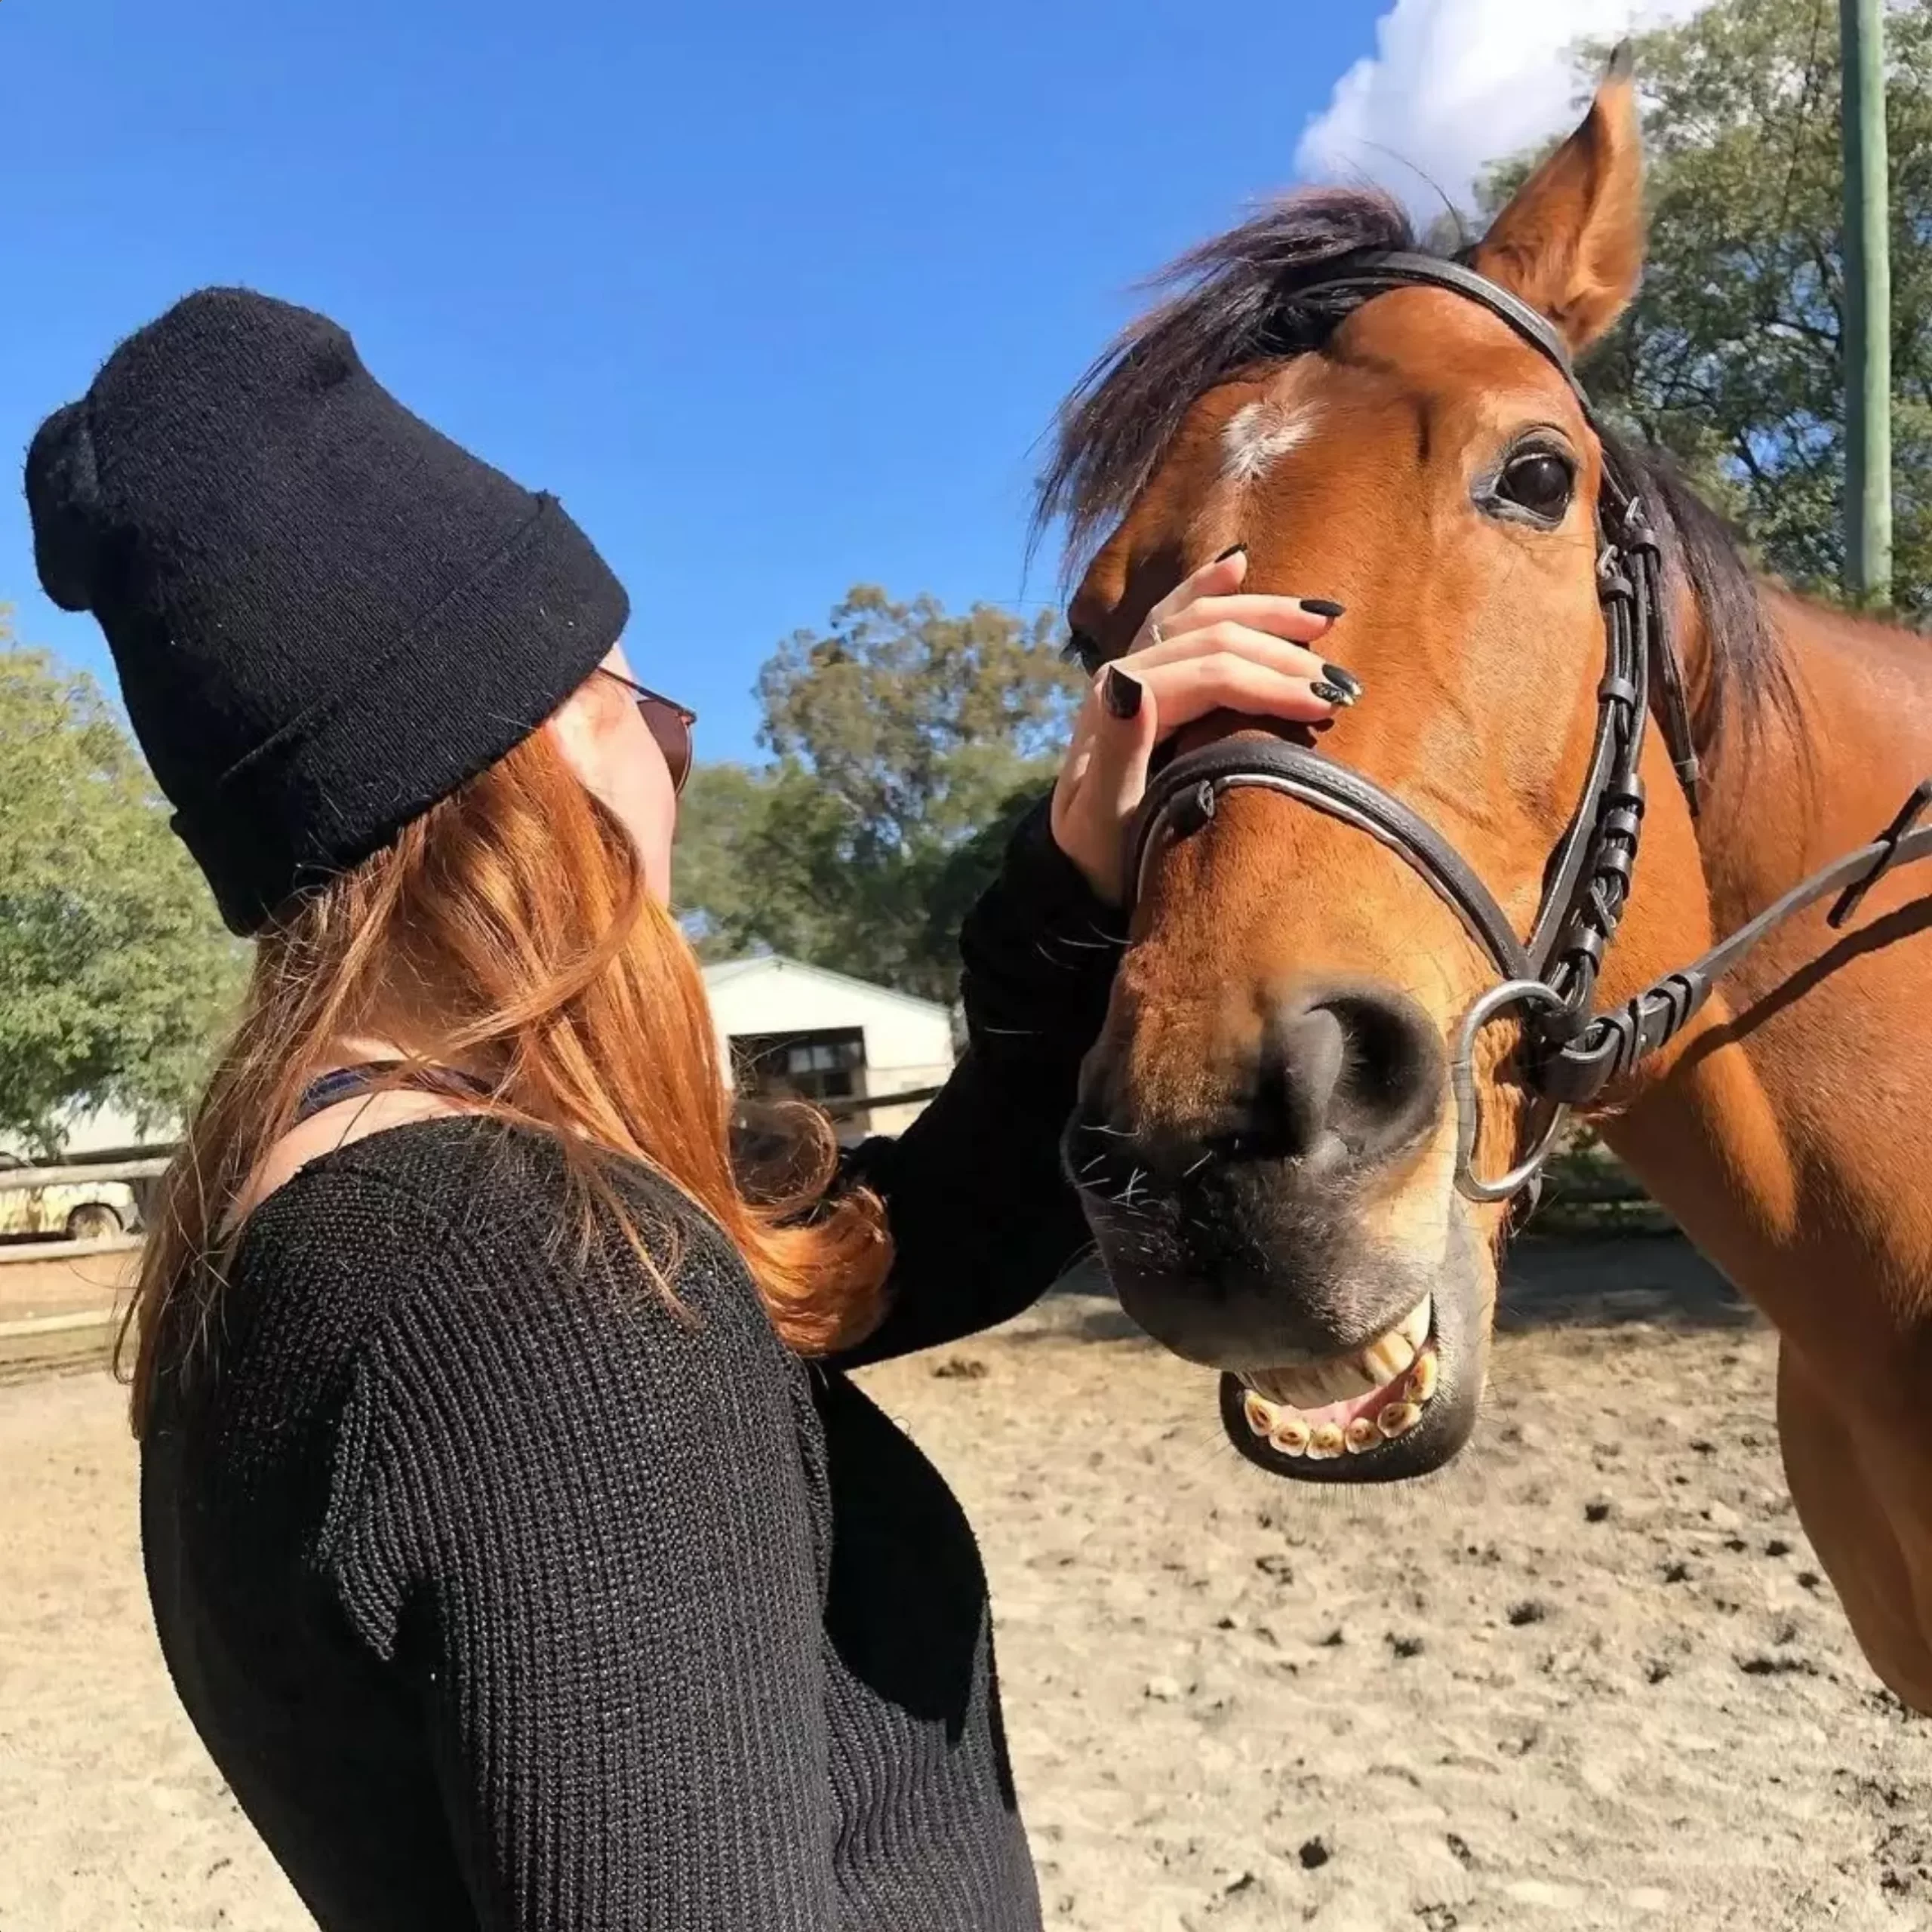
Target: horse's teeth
[1291,1434]
[1339,1379]
[1422,1378]
[1398,1419]
[1382,1362]
[1411,1378]
[1386,1358]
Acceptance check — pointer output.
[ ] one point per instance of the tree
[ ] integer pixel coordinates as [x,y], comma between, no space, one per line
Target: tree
[1730,356]
[905,743]
[116,975]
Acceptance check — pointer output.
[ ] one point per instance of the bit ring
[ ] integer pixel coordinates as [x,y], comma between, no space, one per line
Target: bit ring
[1463,1081]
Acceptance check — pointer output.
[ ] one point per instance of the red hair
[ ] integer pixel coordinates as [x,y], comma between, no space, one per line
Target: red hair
[519,902]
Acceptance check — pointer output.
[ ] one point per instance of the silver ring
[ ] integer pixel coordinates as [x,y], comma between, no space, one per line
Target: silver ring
[1153,632]
[1463,1081]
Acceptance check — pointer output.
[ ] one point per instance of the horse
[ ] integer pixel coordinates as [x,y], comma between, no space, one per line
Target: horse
[1368,963]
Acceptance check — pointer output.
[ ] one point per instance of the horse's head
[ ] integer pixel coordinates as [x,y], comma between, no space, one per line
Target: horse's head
[1266,1137]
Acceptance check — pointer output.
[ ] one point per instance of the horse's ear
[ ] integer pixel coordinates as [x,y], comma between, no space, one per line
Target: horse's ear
[1570,243]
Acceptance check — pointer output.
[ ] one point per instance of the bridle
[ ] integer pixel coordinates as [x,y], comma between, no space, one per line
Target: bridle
[1573,1053]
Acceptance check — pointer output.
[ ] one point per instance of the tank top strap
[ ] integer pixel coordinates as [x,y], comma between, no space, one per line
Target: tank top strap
[345,1083]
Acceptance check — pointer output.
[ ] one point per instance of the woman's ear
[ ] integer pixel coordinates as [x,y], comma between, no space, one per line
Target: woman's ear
[580,722]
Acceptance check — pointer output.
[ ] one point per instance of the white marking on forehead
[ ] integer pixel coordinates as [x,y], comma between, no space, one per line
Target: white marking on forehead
[1258,434]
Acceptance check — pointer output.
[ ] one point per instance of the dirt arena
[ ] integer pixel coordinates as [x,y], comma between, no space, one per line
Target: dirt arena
[1590,1677]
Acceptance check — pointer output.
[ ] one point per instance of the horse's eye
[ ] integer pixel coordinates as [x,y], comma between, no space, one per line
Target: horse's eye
[1539,481]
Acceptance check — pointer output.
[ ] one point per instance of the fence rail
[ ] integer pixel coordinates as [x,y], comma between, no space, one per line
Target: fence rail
[58,1248]
[98,1157]
[16,1180]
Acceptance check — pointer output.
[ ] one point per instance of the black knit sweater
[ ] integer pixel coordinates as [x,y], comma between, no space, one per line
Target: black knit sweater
[504,1598]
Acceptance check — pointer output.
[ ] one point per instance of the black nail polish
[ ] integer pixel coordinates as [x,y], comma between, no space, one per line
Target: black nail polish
[1333,694]
[1322,606]
[1232,550]
[1121,693]
[1348,682]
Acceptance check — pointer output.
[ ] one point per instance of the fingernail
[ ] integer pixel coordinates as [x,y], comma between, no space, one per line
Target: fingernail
[1121,693]
[1347,680]
[1333,694]
[1322,606]
[1232,550]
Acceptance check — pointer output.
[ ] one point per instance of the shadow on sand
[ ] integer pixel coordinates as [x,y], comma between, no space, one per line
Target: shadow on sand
[1606,1281]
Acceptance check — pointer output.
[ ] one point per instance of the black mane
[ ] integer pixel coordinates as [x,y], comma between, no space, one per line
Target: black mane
[1253,295]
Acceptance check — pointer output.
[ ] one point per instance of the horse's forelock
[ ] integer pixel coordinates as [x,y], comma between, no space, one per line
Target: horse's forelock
[1243,297]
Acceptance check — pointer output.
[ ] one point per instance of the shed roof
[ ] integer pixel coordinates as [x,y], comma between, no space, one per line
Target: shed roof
[725,972]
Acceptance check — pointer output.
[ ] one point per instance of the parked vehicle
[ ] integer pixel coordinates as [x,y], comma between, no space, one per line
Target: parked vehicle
[80,1211]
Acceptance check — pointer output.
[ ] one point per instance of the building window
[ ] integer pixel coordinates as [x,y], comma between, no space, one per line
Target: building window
[827,1064]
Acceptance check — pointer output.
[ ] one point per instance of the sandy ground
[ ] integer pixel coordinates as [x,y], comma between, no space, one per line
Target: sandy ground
[32,1288]
[1589,1678]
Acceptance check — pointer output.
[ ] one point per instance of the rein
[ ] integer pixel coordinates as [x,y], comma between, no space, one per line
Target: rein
[1574,1053]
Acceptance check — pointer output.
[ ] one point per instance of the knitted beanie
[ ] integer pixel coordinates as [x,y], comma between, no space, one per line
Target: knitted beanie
[325,615]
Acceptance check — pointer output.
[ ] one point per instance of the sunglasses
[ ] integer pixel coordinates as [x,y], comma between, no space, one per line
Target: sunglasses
[669,724]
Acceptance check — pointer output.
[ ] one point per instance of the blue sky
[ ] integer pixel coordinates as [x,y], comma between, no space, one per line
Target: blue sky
[776,298]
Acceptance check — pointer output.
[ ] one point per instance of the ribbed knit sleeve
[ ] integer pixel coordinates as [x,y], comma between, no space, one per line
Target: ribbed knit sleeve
[983,1220]
[581,1532]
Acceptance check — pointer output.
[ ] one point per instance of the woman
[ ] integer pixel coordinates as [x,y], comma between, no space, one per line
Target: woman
[516,1541]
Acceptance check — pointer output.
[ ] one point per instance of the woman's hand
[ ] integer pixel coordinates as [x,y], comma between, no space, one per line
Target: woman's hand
[1204,648]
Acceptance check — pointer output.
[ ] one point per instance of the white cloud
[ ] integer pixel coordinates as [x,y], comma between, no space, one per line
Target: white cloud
[1454,84]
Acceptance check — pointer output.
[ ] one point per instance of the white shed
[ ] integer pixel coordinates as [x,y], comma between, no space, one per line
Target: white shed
[788,1029]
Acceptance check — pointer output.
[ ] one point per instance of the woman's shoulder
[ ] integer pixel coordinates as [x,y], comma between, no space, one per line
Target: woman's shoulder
[426,1360]
[462,1174]
[481,1232]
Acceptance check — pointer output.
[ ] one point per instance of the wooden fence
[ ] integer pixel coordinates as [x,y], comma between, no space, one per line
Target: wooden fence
[138,1168]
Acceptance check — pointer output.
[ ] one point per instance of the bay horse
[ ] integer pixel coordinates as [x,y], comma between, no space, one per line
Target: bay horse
[1292,1135]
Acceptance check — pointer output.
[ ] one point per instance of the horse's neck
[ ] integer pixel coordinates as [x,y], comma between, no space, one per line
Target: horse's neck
[1781,1135]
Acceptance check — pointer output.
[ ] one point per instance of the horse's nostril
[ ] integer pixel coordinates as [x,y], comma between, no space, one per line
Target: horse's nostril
[1304,1064]
[1334,1075]
[1350,1073]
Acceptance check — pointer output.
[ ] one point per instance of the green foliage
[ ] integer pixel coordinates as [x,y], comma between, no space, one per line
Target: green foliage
[906,742]
[115,976]
[1730,356]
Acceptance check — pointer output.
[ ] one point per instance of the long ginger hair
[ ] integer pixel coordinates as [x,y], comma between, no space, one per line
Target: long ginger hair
[515,910]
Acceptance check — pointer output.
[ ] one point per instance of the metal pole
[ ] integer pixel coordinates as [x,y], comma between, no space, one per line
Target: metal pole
[1868,306]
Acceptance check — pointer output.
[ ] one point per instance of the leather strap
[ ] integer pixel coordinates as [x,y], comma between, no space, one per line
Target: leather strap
[1182,798]
[347,1083]
[1573,926]
[1614,1043]
[1380,270]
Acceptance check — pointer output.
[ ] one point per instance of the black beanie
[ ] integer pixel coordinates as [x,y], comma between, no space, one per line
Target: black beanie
[325,615]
